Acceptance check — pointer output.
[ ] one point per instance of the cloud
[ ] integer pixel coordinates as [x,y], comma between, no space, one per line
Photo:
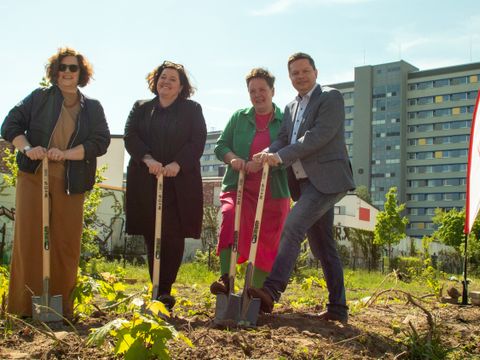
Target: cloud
[281,6]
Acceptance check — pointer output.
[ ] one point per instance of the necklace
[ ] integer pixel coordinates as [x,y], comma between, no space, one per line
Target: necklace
[266,125]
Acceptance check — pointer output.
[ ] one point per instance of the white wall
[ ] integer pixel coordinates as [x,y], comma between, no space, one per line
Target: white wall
[114,159]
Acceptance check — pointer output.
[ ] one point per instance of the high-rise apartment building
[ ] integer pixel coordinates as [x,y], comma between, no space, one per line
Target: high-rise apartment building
[410,129]
[211,166]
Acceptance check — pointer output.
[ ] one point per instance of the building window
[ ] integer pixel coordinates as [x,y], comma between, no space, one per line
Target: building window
[425,100]
[458,80]
[458,96]
[424,85]
[441,82]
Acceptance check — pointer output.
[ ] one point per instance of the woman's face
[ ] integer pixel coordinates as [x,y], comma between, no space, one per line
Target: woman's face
[69,72]
[168,85]
[261,95]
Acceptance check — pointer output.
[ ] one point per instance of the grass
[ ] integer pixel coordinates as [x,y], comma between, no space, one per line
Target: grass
[359,283]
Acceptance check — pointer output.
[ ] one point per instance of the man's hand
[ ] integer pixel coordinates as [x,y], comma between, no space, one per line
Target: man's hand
[271,158]
[171,170]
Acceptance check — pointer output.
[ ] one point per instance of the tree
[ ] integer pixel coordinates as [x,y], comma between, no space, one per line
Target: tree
[363,193]
[450,231]
[363,239]
[450,226]
[391,225]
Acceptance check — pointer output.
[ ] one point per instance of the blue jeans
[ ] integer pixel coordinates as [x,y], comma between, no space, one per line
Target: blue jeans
[311,215]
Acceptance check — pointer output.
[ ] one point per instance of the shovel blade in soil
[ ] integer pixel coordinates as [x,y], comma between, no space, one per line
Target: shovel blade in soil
[251,308]
[227,308]
[47,308]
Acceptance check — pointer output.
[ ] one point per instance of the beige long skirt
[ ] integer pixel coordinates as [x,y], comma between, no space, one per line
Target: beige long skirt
[66,221]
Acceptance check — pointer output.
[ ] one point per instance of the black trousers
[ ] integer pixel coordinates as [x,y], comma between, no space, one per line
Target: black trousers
[171,254]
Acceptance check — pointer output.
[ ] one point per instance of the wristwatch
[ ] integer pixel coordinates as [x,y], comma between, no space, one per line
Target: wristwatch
[26,148]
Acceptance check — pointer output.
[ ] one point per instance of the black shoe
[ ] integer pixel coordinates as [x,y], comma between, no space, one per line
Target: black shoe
[220,286]
[167,300]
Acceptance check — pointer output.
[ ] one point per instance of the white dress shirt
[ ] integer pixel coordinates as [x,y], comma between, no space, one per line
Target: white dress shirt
[302,102]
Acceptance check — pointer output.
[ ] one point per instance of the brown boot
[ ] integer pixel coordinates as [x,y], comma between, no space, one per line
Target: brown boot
[266,300]
[220,286]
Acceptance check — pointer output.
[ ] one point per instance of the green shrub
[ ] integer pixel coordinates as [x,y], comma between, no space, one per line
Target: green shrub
[407,265]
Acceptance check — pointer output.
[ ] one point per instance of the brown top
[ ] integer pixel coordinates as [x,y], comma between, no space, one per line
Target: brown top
[66,122]
[63,131]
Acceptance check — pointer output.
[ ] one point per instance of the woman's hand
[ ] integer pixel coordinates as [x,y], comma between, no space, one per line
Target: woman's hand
[237,164]
[253,167]
[36,153]
[154,167]
[171,170]
[55,154]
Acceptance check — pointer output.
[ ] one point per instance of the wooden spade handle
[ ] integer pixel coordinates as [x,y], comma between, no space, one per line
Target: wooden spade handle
[45,225]
[236,231]
[158,238]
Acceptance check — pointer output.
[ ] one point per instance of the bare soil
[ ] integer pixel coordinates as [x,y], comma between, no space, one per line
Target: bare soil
[376,331]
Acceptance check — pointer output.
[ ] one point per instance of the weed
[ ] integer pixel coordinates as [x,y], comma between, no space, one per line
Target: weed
[428,346]
[144,336]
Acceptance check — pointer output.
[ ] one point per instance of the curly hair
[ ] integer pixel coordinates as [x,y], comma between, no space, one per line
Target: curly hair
[86,69]
[260,73]
[152,79]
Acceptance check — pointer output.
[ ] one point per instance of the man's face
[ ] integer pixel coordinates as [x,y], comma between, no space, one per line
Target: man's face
[302,75]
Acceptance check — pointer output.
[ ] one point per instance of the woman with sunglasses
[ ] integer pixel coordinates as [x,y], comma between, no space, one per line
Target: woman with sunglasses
[165,136]
[70,129]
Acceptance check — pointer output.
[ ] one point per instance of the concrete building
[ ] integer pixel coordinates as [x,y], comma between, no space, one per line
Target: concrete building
[211,166]
[410,129]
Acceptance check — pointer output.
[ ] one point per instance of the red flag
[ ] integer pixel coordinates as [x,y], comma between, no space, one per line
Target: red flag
[473,172]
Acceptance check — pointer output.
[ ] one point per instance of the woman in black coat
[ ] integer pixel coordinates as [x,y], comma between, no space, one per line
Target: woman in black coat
[165,135]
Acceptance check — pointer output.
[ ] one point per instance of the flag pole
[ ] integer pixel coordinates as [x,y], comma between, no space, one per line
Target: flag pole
[464,282]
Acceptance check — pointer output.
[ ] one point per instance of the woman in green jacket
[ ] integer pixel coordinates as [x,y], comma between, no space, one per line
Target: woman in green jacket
[251,130]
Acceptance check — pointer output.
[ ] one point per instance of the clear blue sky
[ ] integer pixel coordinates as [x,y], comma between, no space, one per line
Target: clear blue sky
[219,41]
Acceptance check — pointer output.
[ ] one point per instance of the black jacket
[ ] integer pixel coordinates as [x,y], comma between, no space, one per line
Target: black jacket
[184,143]
[36,117]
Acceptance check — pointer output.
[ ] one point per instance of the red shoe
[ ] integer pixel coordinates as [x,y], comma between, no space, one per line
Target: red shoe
[266,300]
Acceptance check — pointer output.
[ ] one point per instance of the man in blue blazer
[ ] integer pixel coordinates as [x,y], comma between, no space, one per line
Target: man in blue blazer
[311,144]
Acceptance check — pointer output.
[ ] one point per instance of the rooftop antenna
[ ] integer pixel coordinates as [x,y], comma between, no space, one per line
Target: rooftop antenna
[364,56]
[400,51]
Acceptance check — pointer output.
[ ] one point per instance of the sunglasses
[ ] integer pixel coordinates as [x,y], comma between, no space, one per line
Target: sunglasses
[72,67]
[169,64]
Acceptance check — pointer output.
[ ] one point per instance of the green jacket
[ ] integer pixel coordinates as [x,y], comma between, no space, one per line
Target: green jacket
[237,137]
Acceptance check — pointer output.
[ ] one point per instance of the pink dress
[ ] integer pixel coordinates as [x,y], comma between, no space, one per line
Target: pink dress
[274,211]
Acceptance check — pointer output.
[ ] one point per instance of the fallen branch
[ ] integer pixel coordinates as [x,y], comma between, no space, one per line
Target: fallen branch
[57,313]
[410,299]
[50,334]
